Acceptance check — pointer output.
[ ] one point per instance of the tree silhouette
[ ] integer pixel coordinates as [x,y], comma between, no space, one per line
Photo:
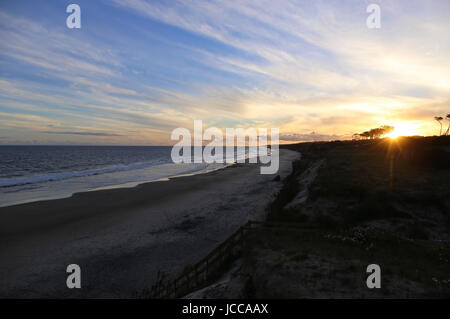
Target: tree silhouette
[386,129]
[377,132]
[365,134]
[439,119]
[448,128]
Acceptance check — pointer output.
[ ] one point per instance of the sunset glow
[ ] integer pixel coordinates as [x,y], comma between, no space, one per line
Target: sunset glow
[404,129]
[314,69]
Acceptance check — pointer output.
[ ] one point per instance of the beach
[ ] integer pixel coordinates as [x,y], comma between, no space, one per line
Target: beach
[121,238]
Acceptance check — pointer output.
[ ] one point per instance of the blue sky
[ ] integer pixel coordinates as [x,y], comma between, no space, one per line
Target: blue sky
[138,69]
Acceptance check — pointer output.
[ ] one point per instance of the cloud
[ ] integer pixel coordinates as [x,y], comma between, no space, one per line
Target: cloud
[271,63]
[321,48]
[82,133]
[311,137]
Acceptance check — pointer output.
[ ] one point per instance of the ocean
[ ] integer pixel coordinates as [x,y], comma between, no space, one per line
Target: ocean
[31,173]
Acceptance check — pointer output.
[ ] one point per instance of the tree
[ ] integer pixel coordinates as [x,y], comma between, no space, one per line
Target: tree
[439,119]
[387,129]
[376,132]
[365,134]
[448,128]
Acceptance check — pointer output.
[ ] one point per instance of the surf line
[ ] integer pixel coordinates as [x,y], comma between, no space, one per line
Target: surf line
[255,139]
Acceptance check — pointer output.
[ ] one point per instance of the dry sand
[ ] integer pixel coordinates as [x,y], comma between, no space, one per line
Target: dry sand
[121,238]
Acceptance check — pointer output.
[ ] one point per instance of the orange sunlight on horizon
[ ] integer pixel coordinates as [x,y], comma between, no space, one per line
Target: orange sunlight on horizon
[404,129]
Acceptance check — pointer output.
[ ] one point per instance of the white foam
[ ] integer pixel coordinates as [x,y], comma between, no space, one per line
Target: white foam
[8,182]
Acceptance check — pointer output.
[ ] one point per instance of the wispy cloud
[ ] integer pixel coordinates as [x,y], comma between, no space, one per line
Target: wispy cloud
[81,133]
[301,66]
[313,136]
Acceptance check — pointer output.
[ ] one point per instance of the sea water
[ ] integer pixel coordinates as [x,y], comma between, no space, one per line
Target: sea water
[31,173]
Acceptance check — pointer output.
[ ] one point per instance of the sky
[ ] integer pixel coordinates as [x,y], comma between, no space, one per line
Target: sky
[138,69]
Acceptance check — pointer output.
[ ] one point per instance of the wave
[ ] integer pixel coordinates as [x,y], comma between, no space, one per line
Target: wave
[10,182]
[58,176]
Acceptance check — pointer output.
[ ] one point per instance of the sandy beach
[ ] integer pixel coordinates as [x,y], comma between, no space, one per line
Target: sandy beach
[122,237]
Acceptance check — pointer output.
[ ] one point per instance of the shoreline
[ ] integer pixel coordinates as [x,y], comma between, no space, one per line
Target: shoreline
[115,186]
[122,237]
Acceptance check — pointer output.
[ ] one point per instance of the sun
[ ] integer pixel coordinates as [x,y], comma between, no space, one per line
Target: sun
[403,129]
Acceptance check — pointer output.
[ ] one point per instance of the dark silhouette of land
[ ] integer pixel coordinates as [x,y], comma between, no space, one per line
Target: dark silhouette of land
[342,206]
[353,203]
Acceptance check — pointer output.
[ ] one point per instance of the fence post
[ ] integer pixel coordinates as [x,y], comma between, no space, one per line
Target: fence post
[196,274]
[234,244]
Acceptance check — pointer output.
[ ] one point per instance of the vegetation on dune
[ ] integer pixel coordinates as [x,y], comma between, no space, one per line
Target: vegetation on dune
[374,133]
[439,119]
[378,201]
[448,128]
[372,201]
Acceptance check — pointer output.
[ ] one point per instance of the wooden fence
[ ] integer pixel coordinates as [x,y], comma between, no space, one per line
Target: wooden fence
[199,274]
[205,270]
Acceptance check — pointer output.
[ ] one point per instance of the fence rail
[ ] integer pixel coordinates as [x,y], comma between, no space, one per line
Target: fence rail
[202,272]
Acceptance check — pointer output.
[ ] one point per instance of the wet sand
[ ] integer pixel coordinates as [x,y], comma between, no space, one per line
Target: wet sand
[121,238]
